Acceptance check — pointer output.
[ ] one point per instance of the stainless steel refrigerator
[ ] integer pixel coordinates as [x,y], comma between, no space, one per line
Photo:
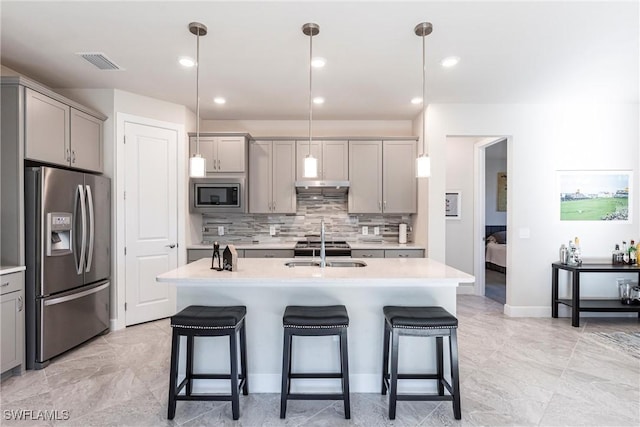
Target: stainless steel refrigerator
[68,257]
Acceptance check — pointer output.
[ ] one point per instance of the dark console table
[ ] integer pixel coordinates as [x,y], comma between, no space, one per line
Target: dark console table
[577,305]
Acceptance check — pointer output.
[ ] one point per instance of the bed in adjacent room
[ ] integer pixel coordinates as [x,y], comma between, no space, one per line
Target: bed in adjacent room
[496,248]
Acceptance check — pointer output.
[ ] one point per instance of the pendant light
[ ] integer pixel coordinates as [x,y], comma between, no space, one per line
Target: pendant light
[197,163]
[310,162]
[423,162]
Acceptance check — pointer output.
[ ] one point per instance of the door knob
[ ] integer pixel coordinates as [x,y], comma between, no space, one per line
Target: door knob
[172,245]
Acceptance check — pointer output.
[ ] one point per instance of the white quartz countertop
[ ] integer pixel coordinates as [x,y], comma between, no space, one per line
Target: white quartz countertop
[8,269]
[290,245]
[259,272]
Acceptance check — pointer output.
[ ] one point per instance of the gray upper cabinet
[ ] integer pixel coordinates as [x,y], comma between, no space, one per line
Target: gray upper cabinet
[365,174]
[47,136]
[399,177]
[333,159]
[223,154]
[86,141]
[60,134]
[382,175]
[272,177]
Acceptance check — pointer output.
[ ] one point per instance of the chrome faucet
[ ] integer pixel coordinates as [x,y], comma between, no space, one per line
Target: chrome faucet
[323,255]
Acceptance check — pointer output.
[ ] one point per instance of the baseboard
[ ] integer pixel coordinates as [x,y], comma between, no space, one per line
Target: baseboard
[527,311]
[113,325]
[466,289]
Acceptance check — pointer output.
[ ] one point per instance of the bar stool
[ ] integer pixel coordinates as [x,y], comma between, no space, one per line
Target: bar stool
[205,321]
[423,322]
[315,321]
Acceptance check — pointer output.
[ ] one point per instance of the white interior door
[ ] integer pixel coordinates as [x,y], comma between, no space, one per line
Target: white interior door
[151,216]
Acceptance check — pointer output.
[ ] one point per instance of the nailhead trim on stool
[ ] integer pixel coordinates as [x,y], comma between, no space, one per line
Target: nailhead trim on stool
[424,322]
[206,321]
[315,321]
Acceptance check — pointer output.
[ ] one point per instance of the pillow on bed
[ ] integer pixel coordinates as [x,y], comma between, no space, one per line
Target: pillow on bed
[491,239]
[499,237]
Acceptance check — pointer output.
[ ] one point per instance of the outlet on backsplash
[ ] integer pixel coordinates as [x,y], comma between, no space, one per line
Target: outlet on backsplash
[272,230]
[376,231]
[221,230]
[365,230]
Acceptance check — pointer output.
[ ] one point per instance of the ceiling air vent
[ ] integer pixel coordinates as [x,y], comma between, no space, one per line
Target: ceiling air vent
[99,60]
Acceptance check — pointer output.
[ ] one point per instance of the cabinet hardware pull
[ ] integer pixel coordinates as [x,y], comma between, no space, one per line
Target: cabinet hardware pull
[403,255]
[172,245]
[5,284]
[73,156]
[68,155]
[269,256]
[384,205]
[379,205]
[367,255]
[219,167]
[20,304]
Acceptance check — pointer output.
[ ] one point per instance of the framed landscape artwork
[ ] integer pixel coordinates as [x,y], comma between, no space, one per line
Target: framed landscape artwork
[595,196]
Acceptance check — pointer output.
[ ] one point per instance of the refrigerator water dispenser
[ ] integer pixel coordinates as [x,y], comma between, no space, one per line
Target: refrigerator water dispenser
[59,231]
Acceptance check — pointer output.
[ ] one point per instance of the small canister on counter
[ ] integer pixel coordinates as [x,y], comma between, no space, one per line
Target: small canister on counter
[564,254]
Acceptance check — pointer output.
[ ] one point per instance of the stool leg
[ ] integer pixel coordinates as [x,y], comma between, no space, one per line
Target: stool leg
[243,358]
[455,379]
[393,398]
[189,364]
[286,366]
[440,363]
[290,364]
[173,374]
[235,399]
[385,357]
[344,368]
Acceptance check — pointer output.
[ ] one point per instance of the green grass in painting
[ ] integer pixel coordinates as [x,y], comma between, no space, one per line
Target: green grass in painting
[592,209]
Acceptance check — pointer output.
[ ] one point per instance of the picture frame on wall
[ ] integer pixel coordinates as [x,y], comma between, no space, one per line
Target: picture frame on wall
[595,195]
[453,204]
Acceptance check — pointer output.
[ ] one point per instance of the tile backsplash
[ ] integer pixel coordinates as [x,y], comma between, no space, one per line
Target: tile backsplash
[311,209]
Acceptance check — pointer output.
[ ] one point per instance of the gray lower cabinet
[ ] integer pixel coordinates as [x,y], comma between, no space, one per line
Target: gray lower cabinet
[387,253]
[268,253]
[196,254]
[12,313]
[367,253]
[404,253]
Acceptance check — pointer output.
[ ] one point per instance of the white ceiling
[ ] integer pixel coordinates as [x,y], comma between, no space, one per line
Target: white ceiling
[256,56]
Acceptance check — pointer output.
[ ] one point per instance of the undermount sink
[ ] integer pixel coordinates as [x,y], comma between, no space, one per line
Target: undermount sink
[332,263]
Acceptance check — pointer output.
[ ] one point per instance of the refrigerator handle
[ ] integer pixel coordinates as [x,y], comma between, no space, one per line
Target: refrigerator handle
[83,215]
[92,228]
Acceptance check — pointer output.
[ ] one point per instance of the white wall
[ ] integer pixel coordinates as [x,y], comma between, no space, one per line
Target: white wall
[494,165]
[460,177]
[542,139]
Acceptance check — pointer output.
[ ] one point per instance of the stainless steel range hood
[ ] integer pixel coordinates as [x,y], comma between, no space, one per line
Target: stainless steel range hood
[318,186]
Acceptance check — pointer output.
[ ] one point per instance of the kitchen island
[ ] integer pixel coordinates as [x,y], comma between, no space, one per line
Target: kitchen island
[267,286]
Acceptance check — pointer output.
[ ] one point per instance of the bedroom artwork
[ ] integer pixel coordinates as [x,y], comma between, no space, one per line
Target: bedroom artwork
[452,204]
[502,192]
[595,196]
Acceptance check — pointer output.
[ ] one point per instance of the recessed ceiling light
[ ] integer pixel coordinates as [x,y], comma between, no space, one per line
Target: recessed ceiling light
[318,62]
[450,61]
[318,100]
[219,100]
[416,101]
[187,62]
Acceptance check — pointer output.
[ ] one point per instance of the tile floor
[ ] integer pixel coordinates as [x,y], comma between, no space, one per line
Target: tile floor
[514,372]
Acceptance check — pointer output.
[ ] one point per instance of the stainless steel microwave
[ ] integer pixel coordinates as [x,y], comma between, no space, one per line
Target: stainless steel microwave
[212,195]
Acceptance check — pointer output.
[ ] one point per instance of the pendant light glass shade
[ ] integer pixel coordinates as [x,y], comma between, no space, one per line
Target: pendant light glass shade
[197,163]
[423,162]
[310,162]
[310,167]
[197,166]
[423,166]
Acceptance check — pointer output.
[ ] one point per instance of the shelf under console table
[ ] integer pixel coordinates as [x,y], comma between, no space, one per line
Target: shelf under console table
[594,305]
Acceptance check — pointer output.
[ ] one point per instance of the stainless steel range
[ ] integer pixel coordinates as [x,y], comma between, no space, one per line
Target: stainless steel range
[311,247]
